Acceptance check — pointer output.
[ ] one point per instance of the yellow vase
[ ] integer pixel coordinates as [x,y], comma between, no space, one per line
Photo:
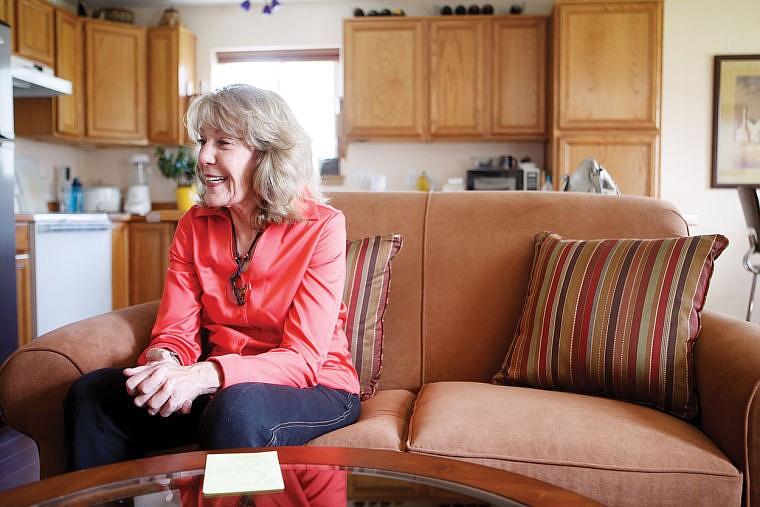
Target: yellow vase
[186,197]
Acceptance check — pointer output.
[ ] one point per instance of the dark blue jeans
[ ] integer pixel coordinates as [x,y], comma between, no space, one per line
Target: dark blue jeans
[103,425]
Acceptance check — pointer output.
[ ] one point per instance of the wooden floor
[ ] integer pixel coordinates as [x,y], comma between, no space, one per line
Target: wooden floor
[19,463]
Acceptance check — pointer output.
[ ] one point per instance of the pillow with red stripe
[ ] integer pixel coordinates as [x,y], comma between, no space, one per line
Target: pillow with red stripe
[615,317]
[368,278]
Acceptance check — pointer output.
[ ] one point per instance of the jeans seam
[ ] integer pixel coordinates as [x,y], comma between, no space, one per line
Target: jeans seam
[306,424]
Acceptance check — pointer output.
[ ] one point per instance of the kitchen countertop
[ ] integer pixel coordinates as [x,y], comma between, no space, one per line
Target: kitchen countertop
[164,215]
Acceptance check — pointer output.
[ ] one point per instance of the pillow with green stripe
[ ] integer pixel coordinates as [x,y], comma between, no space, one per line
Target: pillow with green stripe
[614,317]
[368,278]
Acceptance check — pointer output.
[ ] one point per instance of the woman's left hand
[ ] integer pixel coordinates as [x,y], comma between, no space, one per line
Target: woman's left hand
[165,387]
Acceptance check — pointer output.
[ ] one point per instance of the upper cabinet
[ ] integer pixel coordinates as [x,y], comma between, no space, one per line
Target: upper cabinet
[608,63]
[473,78]
[59,117]
[7,8]
[385,78]
[69,109]
[458,79]
[519,76]
[34,31]
[171,78]
[114,68]
[115,87]
[607,74]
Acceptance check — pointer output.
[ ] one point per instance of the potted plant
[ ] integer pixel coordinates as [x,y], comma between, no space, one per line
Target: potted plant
[180,167]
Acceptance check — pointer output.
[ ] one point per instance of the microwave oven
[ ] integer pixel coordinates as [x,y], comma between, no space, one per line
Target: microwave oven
[502,179]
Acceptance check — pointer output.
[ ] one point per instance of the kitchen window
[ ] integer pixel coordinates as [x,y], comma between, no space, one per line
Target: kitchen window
[306,78]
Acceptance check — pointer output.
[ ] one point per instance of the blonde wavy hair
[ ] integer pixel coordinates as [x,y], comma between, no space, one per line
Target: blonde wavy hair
[284,175]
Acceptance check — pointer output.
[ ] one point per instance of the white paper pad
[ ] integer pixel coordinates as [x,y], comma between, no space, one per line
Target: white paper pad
[241,473]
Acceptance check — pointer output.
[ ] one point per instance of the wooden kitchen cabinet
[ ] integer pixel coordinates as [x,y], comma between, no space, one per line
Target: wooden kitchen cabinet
[7,10]
[368,489]
[473,78]
[385,78]
[607,71]
[518,77]
[23,284]
[629,157]
[488,78]
[34,31]
[62,116]
[372,489]
[458,78]
[69,109]
[171,78]
[116,82]
[148,259]
[608,64]
[120,265]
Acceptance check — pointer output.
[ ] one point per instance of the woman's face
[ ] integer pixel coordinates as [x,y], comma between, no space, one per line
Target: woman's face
[226,164]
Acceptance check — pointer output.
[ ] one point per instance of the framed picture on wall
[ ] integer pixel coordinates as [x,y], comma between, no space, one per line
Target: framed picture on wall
[736,121]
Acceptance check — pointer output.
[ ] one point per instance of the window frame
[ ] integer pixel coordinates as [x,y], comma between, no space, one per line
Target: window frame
[332,54]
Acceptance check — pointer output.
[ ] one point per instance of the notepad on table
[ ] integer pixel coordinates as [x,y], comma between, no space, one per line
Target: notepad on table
[242,473]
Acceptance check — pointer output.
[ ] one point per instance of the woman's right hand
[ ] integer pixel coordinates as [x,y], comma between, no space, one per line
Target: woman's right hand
[164,387]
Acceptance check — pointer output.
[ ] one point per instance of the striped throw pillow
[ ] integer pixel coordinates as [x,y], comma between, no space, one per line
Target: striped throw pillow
[368,278]
[615,317]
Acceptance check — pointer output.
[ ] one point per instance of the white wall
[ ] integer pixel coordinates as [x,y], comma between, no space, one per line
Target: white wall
[694,31]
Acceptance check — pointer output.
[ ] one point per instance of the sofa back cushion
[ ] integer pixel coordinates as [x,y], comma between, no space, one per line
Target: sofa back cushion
[381,213]
[478,256]
[473,253]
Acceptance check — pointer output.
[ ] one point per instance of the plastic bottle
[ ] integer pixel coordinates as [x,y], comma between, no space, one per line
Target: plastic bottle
[77,197]
[64,190]
[423,182]
[547,186]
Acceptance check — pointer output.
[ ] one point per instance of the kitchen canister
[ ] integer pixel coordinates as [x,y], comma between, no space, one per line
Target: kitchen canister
[102,199]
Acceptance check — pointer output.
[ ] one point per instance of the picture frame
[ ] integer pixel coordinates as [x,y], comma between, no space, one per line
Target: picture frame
[736,121]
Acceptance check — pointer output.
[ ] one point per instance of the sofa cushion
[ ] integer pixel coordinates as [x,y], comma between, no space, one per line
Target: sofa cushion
[381,425]
[615,452]
[616,317]
[368,277]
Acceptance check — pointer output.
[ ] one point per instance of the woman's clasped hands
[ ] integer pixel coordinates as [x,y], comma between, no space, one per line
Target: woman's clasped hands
[163,386]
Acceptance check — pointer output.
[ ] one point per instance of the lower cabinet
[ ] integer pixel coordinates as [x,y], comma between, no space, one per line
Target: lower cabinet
[630,158]
[140,258]
[23,284]
[120,265]
[386,491]
[148,259]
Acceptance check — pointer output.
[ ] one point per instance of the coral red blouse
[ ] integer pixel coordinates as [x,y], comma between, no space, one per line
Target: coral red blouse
[290,330]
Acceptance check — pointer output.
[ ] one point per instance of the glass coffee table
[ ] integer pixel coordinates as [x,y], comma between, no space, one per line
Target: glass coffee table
[324,476]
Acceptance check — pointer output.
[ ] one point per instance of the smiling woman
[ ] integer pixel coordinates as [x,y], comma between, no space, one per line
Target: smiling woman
[306,78]
[251,311]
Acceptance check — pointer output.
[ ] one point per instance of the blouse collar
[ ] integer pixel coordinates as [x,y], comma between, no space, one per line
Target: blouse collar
[309,209]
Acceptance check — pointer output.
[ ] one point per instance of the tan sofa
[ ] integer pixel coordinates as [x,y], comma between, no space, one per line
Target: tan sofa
[457,290]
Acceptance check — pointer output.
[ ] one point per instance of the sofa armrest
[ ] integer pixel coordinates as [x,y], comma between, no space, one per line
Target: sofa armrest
[35,379]
[727,364]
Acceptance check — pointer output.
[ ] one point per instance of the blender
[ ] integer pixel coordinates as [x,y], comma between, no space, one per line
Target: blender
[137,200]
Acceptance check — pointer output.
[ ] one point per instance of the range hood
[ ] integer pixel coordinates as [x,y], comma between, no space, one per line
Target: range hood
[31,79]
